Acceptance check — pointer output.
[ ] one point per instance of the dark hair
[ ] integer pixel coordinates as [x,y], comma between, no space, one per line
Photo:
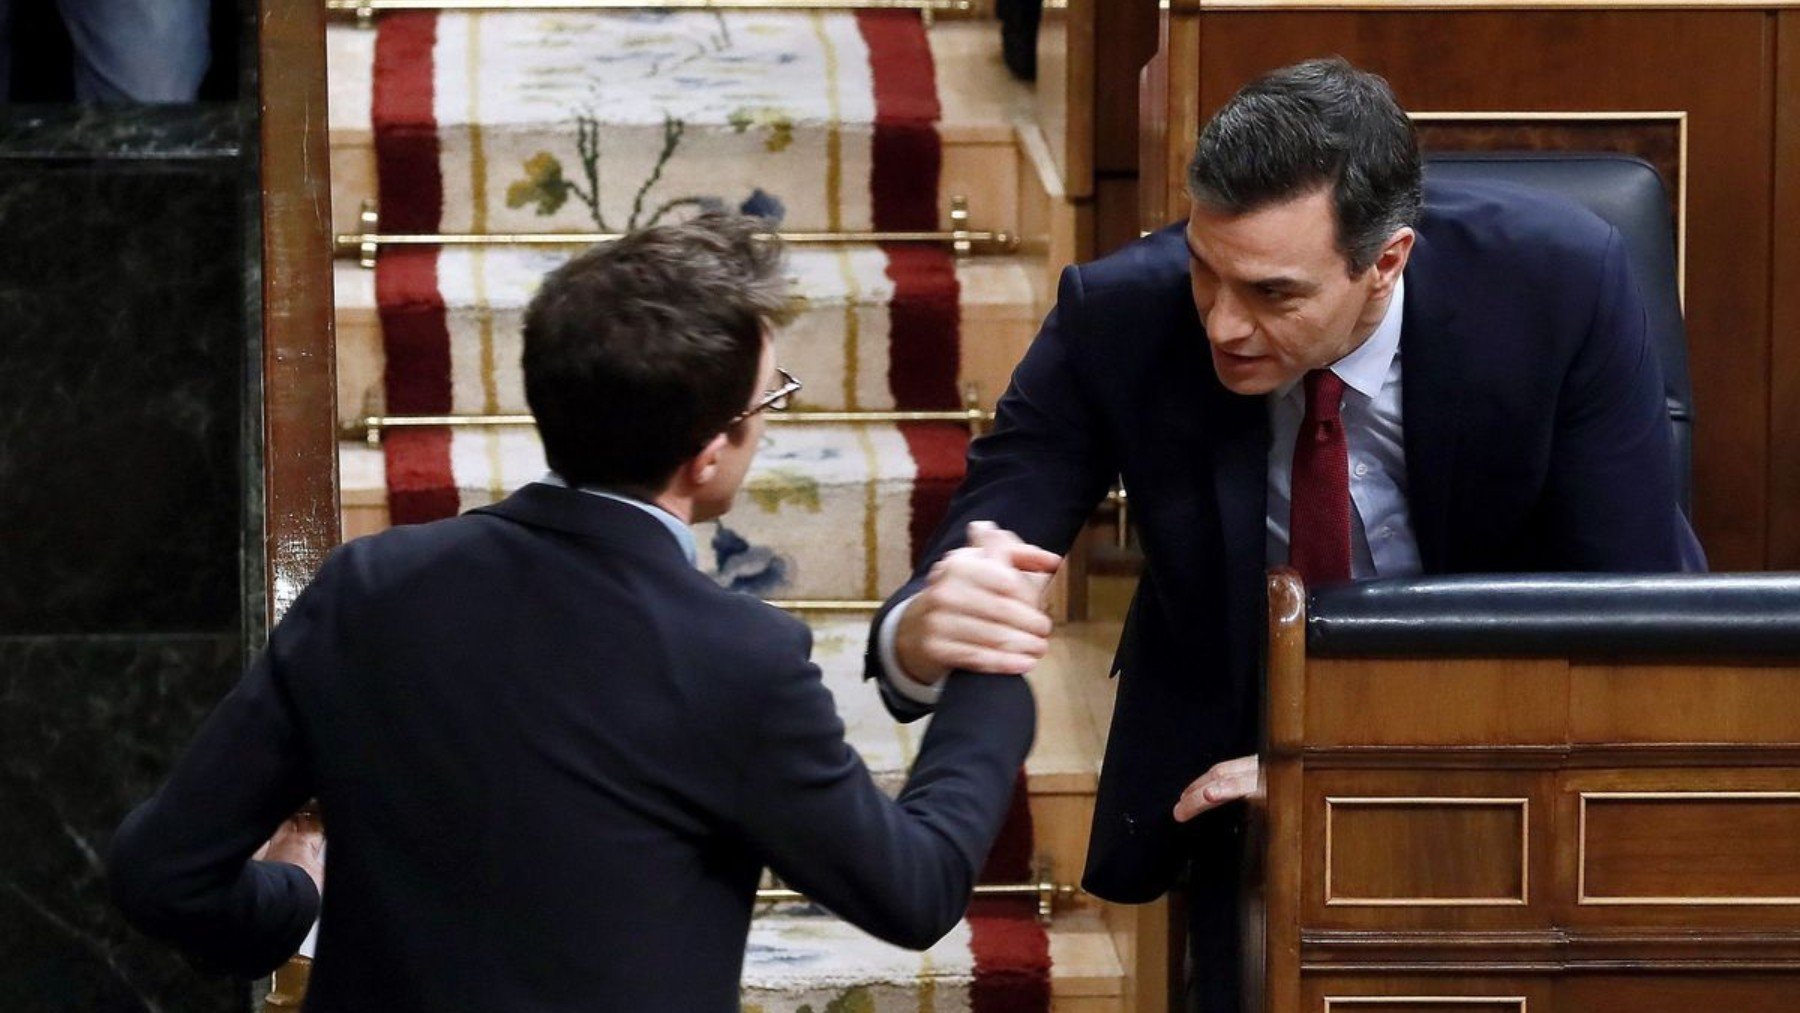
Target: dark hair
[639,351]
[1315,124]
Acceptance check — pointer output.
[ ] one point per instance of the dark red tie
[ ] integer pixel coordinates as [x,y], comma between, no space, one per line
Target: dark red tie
[1319,526]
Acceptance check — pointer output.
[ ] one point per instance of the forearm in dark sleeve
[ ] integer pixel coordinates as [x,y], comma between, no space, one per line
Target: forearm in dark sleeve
[179,867]
[900,870]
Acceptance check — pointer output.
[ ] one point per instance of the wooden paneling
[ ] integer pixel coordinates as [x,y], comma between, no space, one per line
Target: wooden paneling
[1065,92]
[1419,850]
[1649,703]
[1681,993]
[300,422]
[1410,852]
[1717,66]
[1425,1004]
[1784,348]
[1124,40]
[1115,213]
[1674,848]
[1471,702]
[1340,993]
[1659,138]
[1639,847]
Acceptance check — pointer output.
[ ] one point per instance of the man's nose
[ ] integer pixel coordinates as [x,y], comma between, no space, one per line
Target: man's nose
[1226,320]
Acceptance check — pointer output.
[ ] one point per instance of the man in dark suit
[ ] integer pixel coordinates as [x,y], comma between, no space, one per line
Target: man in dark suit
[1243,374]
[554,757]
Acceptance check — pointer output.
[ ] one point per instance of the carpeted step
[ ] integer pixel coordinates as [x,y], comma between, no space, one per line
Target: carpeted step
[1074,698]
[756,124]
[869,316]
[832,512]
[801,961]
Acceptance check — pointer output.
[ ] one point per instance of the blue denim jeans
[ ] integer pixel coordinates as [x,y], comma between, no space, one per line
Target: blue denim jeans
[129,50]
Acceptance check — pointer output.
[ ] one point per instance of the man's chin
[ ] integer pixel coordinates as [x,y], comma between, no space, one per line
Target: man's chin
[1246,376]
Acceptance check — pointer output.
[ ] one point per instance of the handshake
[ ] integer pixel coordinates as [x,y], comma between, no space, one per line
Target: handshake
[982,610]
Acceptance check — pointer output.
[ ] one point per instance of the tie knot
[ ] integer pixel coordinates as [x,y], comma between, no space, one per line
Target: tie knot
[1324,395]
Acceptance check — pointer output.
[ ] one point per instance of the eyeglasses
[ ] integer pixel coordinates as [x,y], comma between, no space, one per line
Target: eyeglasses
[772,401]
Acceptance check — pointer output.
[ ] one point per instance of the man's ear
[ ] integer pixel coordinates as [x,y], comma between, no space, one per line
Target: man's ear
[1390,263]
[700,469]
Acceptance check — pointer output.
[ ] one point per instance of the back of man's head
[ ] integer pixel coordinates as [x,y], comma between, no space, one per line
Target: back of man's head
[639,352]
[1322,123]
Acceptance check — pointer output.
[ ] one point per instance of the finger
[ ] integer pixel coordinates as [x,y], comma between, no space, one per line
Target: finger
[1004,546]
[1234,768]
[985,661]
[1210,791]
[967,631]
[1032,559]
[973,568]
[979,604]
[1191,803]
[1230,789]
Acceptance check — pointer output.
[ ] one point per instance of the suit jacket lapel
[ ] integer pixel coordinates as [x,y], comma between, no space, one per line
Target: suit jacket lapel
[1431,375]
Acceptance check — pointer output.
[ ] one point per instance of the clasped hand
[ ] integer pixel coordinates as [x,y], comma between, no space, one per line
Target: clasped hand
[300,840]
[982,610]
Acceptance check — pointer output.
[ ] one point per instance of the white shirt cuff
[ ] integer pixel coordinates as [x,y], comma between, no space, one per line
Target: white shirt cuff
[918,692]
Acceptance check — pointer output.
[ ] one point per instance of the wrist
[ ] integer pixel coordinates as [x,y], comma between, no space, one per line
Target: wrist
[910,656]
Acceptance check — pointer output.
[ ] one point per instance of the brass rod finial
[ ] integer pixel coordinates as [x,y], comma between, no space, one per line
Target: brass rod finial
[978,417]
[961,240]
[369,220]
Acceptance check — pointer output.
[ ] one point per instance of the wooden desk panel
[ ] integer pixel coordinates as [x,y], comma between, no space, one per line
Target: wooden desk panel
[1528,834]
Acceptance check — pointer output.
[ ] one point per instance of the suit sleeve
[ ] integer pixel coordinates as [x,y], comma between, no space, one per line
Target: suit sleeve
[180,867]
[1612,483]
[1041,470]
[901,870]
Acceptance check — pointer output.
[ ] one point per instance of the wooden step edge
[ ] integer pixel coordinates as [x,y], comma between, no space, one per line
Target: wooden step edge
[1084,960]
[1069,683]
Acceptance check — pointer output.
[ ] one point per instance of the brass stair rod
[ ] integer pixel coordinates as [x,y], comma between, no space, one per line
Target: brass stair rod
[366,244]
[370,427]
[1046,891]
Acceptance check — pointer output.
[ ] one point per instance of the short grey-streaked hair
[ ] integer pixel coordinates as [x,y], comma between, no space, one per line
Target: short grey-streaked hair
[1322,123]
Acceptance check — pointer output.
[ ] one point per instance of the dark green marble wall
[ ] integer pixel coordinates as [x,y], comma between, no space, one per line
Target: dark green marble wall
[128,345]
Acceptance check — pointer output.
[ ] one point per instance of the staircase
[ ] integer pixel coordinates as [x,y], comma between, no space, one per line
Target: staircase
[581,121]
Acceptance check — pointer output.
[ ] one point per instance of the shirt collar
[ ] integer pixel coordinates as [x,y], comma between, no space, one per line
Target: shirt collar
[684,536]
[1365,369]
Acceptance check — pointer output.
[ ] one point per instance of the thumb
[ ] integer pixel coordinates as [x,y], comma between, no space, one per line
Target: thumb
[1028,558]
[1006,547]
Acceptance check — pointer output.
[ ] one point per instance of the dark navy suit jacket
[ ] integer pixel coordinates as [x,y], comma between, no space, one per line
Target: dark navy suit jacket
[1535,434]
[553,759]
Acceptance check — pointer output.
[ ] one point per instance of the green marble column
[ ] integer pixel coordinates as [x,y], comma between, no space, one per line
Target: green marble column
[128,345]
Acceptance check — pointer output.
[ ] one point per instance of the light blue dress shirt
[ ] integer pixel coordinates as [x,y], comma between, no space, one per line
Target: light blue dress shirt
[1382,543]
[684,536]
